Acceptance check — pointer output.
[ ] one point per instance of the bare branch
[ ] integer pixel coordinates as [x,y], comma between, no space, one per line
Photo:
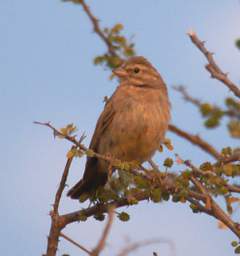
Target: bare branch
[75,243]
[62,184]
[101,244]
[196,140]
[56,224]
[212,66]
[135,246]
[186,96]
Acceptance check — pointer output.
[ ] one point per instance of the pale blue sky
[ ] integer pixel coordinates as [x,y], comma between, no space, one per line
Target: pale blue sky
[46,74]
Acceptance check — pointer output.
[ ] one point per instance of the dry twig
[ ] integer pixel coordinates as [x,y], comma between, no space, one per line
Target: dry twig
[75,243]
[135,246]
[212,66]
[101,244]
[196,140]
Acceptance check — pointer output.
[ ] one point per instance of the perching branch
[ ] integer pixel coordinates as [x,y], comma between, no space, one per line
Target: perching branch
[212,66]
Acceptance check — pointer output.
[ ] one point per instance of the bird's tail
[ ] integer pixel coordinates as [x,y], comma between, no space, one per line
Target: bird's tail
[85,185]
[78,189]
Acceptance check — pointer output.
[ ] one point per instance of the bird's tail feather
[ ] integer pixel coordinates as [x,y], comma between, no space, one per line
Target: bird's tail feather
[78,189]
[87,185]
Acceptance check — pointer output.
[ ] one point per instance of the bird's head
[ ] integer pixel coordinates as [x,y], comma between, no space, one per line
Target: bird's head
[137,71]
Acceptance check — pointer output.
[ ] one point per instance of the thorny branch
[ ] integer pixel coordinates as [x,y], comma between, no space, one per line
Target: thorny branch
[212,66]
[56,223]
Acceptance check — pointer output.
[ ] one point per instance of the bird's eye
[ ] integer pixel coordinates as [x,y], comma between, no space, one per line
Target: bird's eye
[136,70]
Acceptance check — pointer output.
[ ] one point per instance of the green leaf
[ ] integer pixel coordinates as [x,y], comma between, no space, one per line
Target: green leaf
[165,196]
[123,216]
[207,166]
[211,122]
[206,109]
[141,182]
[234,243]
[117,28]
[90,153]
[168,162]
[156,195]
[237,43]
[99,216]
[194,208]
[227,151]
[234,128]
[237,250]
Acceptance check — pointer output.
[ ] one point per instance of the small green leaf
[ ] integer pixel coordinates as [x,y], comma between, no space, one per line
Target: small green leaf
[206,109]
[99,216]
[237,250]
[207,166]
[237,43]
[156,195]
[90,153]
[234,243]
[168,162]
[123,216]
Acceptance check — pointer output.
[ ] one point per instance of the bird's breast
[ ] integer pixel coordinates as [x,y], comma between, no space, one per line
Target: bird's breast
[136,131]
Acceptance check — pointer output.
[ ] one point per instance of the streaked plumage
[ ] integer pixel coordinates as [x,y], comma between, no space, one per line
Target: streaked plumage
[132,124]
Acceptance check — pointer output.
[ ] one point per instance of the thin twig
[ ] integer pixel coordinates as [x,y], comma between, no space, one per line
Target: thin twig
[212,66]
[75,243]
[101,244]
[136,245]
[198,103]
[186,96]
[196,140]
[62,184]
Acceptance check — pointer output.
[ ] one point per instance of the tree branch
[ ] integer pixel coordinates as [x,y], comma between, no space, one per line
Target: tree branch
[196,140]
[212,206]
[56,223]
[75,243]
[101,244]
[186,96]
[212,66]
[135,246]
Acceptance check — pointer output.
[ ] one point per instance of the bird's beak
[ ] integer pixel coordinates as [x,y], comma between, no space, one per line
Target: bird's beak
[120,72]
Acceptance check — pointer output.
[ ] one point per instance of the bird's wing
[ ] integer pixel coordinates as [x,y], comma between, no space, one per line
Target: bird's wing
[93,177]
[103,123]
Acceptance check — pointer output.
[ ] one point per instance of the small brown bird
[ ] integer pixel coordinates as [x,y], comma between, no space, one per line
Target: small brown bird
[132,124]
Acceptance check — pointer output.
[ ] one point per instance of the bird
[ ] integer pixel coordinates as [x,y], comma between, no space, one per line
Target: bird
[132,125]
